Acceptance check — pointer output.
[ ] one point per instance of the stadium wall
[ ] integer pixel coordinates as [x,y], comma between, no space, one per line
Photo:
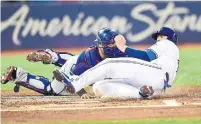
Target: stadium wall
[34,25]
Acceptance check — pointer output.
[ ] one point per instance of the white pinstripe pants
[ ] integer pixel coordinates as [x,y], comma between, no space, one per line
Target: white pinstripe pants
[122,77]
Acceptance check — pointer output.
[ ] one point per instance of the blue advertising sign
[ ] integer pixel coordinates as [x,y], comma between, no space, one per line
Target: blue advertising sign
[62,25]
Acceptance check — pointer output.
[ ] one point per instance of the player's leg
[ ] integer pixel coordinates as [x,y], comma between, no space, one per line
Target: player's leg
[62,58]
[117,88]
[69,65]
[120,88]
[105,69]
[22,78]
[137,72]
[58,87]
[89,77]
[41,84]
[145,73]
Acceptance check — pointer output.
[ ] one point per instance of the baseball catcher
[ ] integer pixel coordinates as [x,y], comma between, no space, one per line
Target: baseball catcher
[71,65]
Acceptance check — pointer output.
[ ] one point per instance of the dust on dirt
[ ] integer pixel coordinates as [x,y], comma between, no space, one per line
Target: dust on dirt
[28,106]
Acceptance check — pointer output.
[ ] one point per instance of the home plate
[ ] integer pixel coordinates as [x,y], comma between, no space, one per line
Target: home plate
[172,102]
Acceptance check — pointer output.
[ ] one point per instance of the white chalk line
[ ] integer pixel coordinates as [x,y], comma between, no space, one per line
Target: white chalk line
[196,103]
[86,108]
[55,107]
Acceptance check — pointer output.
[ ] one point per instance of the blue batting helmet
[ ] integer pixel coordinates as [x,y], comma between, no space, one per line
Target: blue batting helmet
[104,38]
[171,34]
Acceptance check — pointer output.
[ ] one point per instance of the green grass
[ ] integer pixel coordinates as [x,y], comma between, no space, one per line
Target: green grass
[189,71]
[190,68]
[145,121]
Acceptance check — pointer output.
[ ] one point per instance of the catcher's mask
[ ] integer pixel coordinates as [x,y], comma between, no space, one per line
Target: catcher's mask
[105,40]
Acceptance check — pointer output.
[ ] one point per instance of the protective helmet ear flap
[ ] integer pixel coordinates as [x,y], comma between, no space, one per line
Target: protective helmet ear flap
[175,38]
[154,35]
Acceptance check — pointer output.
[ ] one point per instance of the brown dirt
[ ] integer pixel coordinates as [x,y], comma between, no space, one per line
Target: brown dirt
[27,106]
[104,114]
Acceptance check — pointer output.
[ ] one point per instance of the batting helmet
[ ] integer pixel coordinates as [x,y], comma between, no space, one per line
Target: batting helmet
[106,36]
[171,34]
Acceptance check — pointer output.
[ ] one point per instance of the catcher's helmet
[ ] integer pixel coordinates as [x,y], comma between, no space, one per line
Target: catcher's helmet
[171,34]
[104,38]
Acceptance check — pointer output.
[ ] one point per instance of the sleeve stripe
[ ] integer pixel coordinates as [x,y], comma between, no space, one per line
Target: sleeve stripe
[154,52]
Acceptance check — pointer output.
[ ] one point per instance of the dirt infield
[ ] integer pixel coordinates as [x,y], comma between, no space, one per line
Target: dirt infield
[31,107]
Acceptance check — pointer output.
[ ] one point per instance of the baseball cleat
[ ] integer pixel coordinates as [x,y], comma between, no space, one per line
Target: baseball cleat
[9,75]
[61,77]
[146,91]
[16,88]
[57,75]
[39,56]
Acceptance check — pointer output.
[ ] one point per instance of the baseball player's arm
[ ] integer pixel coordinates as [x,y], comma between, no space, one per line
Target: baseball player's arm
[146,55]
[62,58]
[49,56]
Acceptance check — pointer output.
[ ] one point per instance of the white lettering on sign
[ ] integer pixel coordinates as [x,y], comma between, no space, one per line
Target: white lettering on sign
[172,16]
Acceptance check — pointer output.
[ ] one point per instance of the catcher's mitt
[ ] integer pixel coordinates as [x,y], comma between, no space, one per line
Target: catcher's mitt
[39,56]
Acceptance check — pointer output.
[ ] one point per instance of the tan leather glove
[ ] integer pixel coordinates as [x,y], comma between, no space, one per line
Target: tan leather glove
[39,56]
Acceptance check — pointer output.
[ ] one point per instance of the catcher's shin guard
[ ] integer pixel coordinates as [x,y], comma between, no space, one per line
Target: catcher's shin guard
[22,78]
[39,84]
[61,77]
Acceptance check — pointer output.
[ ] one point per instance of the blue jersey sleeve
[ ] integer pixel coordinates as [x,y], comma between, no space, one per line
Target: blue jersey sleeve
[147,55]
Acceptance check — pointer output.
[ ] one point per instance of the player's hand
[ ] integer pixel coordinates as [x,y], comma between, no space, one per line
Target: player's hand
[39,56]
[87,96]
[120,42]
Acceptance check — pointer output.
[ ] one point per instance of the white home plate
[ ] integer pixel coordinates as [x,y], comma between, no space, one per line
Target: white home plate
[172,102]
